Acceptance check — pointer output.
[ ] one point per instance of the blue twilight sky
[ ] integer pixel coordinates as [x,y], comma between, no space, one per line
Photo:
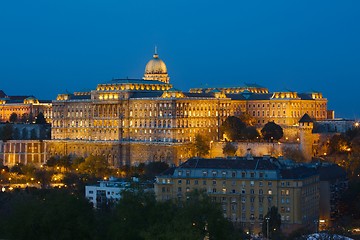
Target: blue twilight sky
[48,47]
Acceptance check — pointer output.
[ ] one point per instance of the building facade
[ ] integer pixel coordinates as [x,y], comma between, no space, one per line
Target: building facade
[150,112]
[247,187]
[31,152]
[106,192]
[26,107]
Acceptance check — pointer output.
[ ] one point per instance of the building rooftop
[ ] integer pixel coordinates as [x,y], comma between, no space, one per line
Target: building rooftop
[283,170]
[256,163]
[331,172]
[306,119]
[134,81]
[143,94]
[2,94]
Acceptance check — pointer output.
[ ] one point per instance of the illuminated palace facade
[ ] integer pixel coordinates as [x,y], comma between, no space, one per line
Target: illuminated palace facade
[23,106]
[138,120]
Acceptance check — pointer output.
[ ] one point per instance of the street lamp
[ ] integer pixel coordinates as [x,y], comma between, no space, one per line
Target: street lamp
[267,227]
[316,225]
[211,142]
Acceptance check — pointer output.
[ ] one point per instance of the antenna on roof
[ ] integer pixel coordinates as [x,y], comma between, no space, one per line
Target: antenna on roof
[156,50]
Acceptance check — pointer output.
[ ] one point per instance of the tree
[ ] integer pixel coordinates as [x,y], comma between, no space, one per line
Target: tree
[76,162]
[273,221]
[251,133]
[294,154]
[95,166]
[24,118]
[13,118]
[31,118]
[229,149]
[43,177]
[247,119]
[271,131]
[232,128]
[134,209]
[194,218]
[201,145]
[338,144]
[40,119]
[17,168]
[51,162]
[55,214]
[64,162]
[206,217]
[154,168]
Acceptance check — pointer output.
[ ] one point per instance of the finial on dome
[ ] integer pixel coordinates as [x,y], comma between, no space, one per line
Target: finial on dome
[156,54]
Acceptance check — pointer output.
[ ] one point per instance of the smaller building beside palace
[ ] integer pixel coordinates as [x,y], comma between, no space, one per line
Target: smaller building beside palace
[247,187]
[25,107]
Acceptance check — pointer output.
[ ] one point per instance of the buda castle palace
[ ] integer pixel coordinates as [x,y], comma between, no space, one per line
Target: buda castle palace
[139,120]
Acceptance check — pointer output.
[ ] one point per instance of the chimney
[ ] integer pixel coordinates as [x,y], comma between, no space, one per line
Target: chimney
[248,155]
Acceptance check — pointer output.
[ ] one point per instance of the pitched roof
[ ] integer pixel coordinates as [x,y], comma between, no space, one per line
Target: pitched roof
[260,96]
[331,172]
[306,119]
[257,163]
[199,95]
[305,96]
[2,94]
[298,172]
[143,94]
[254,163]
[135,81]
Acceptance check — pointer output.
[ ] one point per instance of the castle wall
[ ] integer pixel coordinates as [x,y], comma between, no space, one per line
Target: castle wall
[23,151]
[257,148]
[125,153]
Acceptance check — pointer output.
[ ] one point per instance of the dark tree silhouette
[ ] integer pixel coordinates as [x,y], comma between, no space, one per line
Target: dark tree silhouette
[40,119]
[154,168]
[273,220]
[247,119]
[13,118]
[30,118]
[24,118]
[229,149]
[201,145]
[250,133]
[233,128]
[271,131]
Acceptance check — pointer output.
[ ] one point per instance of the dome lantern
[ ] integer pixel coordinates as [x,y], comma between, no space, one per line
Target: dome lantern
[156,69]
